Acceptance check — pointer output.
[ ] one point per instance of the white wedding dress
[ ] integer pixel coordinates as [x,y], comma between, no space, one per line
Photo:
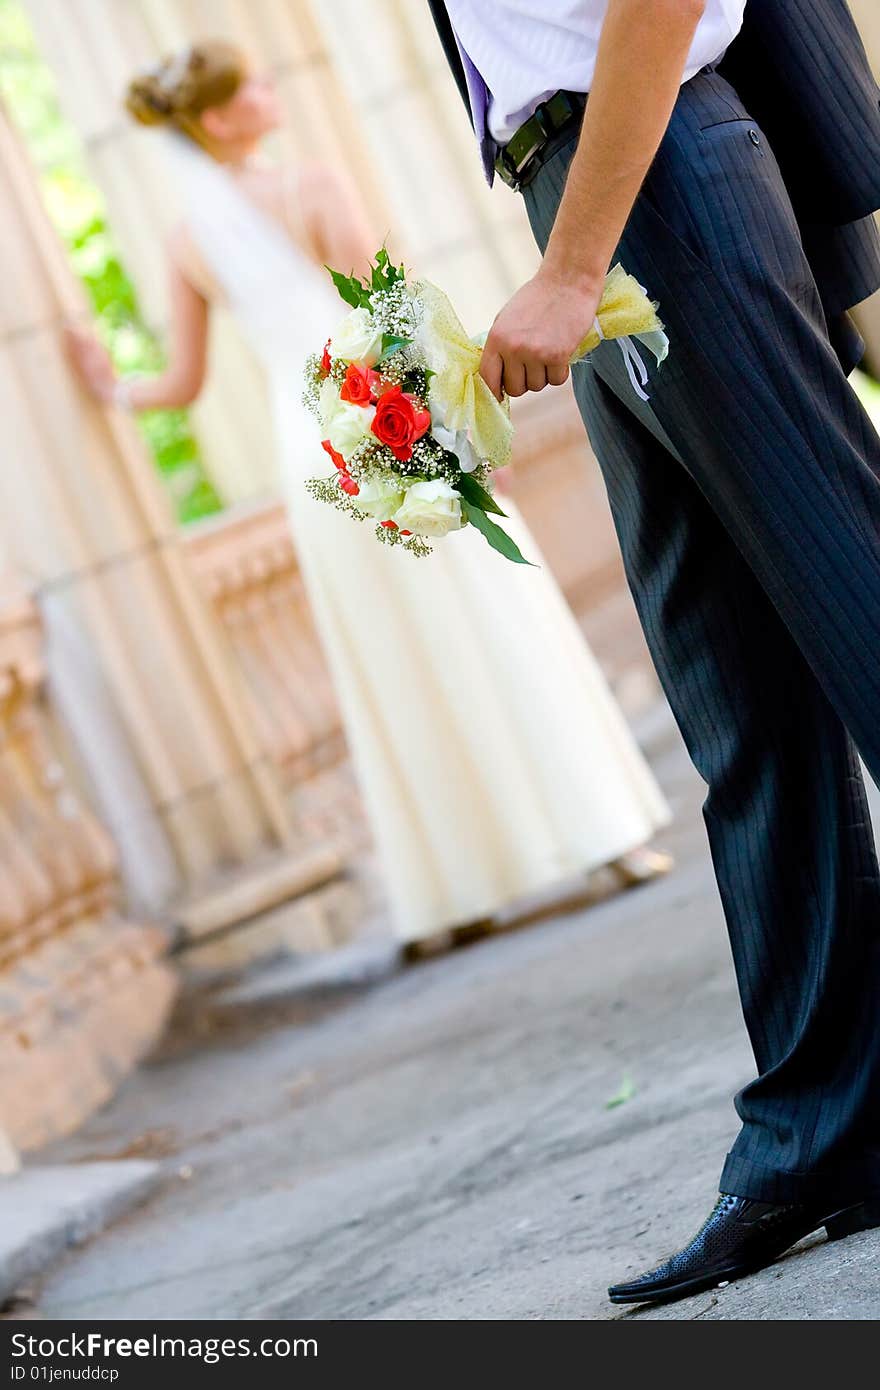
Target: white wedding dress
[491,756]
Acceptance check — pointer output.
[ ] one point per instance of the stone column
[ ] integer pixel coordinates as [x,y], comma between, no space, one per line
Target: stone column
[178,766]
[93,46]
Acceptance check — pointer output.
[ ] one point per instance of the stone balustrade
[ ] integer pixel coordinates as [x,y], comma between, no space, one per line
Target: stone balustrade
[245,564]
[84,992]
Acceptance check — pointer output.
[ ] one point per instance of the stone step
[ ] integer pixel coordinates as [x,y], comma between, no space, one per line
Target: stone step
[45,1209]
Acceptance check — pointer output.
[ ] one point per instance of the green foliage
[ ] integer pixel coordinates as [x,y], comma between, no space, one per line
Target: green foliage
[384,274]
[474,492]
[77,210]
[476,504]
[350,288]
[498,539]
[391,344]
[356,292]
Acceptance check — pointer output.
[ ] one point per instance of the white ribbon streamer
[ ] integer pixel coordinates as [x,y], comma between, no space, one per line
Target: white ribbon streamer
[632,360]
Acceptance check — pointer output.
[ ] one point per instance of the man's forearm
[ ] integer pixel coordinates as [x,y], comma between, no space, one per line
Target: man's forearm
[641,59]
[642,54]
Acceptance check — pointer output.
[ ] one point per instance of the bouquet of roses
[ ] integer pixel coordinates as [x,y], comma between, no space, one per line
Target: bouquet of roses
[412,429]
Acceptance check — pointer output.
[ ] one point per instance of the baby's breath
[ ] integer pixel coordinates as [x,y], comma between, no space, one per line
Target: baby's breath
[402,367]
[483,475]
[372,459]
[313,380]
[416,545]
[328,490]
[396,310]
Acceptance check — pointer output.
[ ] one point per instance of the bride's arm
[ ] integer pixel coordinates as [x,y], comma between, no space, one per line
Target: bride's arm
[181,381]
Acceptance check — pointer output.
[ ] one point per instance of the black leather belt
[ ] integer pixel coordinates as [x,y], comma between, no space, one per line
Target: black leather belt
[539,137]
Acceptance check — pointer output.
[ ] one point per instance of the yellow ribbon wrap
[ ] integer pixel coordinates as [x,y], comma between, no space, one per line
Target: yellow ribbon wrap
[459,392]
[624,310]
[457,389]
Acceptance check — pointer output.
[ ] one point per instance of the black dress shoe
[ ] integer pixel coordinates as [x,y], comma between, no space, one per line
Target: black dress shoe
[739,1237]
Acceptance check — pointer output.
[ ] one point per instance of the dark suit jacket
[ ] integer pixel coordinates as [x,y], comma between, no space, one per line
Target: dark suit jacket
[800,68]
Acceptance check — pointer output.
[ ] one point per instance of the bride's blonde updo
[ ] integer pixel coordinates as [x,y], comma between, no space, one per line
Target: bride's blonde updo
[181,87]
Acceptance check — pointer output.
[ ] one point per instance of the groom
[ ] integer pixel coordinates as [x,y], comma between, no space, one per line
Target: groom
[728,154]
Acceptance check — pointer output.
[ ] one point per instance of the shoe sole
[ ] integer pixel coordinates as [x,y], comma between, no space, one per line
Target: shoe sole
[848,1221]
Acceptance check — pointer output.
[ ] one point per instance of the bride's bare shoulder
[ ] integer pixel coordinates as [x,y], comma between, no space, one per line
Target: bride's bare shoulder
[178,241]
[319,183]
[189,263]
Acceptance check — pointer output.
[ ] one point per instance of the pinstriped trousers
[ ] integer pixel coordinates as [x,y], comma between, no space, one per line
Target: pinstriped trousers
[746,497]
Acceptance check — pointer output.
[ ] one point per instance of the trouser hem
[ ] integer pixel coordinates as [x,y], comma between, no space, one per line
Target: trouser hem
[845,1185]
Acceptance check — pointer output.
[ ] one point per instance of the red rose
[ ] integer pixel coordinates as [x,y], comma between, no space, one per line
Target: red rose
[338,460]
[325,360]
[359,384]
[392,526]
[348,484]
[399,421]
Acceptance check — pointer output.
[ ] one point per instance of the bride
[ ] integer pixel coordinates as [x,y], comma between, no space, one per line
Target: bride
[492,759]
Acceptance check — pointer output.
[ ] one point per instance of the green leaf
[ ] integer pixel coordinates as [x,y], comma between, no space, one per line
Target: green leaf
[349,287]
[498,539]
[384,274]
[379,278]
[391,344]
[477,495]
[626,1092]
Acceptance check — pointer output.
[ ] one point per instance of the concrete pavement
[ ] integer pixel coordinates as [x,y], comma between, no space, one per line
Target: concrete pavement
[439,1144]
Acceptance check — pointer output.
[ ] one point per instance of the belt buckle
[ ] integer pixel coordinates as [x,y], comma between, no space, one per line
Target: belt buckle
[541,115]
[508,170]
[518,173]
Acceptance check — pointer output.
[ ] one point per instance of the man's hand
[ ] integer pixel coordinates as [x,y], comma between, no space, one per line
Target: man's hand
[536,334]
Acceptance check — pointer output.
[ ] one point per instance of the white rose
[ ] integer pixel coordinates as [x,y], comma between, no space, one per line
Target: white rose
[430,509]
[357,339]
[457,442]
[328,401]
[348,426]
[380,499]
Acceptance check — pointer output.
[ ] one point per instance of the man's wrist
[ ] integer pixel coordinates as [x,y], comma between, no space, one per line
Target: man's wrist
[570,273]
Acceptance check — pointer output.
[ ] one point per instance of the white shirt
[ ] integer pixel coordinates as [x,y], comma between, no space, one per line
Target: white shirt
[525,50]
